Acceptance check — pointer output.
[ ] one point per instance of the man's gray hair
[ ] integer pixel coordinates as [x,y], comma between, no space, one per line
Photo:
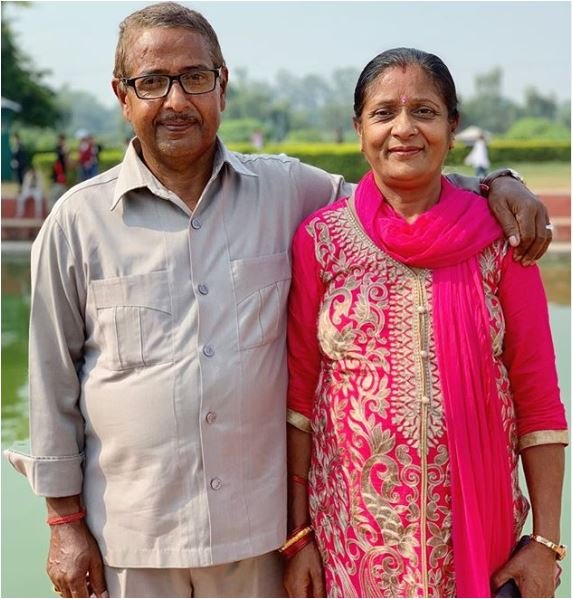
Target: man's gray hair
[164,14]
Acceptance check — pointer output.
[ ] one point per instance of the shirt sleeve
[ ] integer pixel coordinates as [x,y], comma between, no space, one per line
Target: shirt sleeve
[467,182]
[304,355]
[530,357]
[317,188]
[53,462]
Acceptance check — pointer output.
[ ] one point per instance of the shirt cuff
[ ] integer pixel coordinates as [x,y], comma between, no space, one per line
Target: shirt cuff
[299,421]
[49,476]
[543,438]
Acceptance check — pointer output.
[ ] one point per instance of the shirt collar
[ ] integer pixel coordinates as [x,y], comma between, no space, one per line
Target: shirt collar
[134,174]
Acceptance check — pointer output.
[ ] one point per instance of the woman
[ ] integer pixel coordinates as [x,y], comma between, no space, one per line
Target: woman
[421,365]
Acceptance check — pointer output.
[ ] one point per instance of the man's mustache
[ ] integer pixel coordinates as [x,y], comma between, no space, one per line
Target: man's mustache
[179,117]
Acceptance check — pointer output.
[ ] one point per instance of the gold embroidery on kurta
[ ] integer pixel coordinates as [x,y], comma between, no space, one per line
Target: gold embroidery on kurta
[380,471]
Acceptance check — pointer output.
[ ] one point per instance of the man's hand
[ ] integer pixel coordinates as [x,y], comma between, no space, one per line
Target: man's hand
[303,574]
[74,565]
[523,218]
[532,568]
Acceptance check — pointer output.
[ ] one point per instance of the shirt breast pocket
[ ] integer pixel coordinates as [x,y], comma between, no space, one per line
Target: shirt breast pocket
[261,290]
[135,319]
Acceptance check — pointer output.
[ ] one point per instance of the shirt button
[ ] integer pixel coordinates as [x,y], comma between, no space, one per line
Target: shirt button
[211,417]
[209,351]
[203,289]
[425,400]
[423,354]
[196,224]
[421,309]
[216,484]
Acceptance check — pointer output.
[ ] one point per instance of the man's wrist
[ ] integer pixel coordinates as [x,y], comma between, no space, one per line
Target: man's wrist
[63,506]
[487,181]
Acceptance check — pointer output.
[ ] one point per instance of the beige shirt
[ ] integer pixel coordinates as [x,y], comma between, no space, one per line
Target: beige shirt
[157,357]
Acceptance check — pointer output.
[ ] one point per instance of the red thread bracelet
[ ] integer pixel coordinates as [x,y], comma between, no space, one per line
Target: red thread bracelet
[298,479]
[66,519]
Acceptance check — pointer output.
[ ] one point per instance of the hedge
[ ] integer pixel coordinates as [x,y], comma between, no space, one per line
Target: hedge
[347,160]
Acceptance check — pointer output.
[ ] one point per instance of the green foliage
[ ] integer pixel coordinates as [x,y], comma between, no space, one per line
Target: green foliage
[537,105]
[45,162]
[537,128]
[492,113]
[346,159]
[22,83]
[505,152]
[241,130]
[305,135]
[83,111]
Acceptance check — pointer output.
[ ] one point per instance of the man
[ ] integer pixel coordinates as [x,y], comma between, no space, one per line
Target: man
[157,343]
[19,160]
[59,170]
[478,157]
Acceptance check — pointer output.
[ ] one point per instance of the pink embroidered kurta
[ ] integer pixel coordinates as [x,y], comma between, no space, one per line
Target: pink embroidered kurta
[364,378]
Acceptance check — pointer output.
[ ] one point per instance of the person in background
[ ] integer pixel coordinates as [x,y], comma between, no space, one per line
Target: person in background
[157,343]
[32,188]
[421,369]
[88,157]
[59,170]
[19,160]
[478,157]
[257,139]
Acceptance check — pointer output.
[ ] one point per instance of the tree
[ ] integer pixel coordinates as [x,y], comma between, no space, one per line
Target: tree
[22,82]
[488,109]
[564,114]
[537,128]
[83,111]
[537,105]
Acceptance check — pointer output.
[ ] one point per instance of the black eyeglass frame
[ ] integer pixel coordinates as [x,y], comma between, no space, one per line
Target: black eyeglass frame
[172,78]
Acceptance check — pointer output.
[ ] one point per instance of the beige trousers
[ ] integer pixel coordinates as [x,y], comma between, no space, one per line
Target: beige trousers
[256,577]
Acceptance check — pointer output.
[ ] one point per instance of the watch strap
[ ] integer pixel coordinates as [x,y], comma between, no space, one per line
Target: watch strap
[485,183]
[559,550]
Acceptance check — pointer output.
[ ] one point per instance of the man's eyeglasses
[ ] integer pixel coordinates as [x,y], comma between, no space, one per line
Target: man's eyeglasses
[153,87]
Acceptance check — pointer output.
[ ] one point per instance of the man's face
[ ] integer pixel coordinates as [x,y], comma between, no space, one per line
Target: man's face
[179,128]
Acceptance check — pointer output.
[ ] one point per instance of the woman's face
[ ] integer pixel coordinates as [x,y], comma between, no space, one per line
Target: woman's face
[404,129]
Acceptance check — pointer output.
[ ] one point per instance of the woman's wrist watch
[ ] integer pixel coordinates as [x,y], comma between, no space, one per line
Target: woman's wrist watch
[485,182]
[559,550]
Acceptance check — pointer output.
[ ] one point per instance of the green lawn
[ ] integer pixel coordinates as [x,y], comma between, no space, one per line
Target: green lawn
[539,176]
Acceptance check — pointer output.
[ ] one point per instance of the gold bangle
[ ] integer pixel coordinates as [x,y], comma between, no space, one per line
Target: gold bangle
[297,537]
[559,550]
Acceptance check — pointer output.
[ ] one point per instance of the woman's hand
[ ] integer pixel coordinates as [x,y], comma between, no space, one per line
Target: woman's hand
[532,568]
[303,573]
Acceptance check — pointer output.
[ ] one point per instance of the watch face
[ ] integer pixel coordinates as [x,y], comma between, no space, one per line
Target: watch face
[514,174]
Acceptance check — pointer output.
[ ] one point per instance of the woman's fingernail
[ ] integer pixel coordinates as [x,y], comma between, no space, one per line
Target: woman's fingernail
[513,241]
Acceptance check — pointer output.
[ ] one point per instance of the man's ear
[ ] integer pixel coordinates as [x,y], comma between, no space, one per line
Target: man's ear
[223,83]
[120,91]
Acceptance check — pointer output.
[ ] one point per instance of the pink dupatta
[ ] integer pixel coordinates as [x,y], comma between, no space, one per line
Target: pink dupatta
[447,239]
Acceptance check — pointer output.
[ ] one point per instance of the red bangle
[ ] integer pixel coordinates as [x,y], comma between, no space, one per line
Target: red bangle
[296,547]
[298,479]
[66,519]
[296,530]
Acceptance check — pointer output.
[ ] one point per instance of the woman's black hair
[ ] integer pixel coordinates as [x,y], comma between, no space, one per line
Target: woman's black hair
[431,64]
